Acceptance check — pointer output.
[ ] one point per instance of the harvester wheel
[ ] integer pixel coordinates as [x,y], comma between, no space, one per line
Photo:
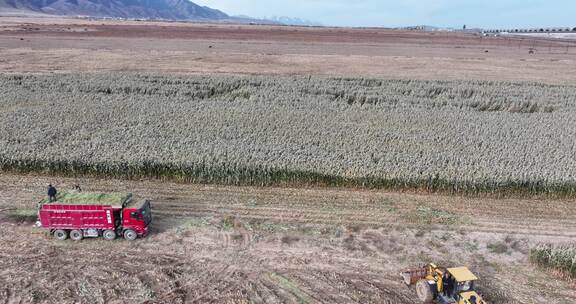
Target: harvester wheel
[60,234]
[130,235]
[76,235]
[109,235]
[424,291]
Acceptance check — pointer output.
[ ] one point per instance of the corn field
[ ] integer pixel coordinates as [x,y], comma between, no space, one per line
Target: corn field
[455,136]
[561,258]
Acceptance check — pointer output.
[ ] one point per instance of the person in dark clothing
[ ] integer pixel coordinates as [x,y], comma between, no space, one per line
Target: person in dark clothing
[448,282]
[52,193]
[473,300]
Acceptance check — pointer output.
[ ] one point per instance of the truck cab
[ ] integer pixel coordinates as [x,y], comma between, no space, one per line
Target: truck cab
[136,217]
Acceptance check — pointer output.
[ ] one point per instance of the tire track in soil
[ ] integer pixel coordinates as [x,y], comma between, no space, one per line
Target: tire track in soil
[555,228]
[282,217]
[279,294]
[355,288]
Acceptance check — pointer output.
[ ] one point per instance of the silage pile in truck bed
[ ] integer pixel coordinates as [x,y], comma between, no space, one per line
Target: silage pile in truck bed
[117,199]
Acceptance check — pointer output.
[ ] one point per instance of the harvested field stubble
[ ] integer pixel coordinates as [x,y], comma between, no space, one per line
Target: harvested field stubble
[226,244]
[457,136]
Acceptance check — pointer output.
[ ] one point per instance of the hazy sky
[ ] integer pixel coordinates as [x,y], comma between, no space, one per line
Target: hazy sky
[455,13]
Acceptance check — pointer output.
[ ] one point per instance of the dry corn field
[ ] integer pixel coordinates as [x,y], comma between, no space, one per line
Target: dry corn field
[456,136]
[560,258]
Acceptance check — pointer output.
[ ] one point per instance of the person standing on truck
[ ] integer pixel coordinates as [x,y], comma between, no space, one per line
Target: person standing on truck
[52,193]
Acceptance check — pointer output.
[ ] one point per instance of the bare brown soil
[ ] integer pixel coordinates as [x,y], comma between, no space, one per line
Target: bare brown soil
[218,244]
[58,45]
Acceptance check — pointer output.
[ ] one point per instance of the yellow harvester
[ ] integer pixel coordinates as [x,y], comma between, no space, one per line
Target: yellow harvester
[432,285]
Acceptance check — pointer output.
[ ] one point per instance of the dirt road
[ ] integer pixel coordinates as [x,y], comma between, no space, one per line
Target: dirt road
[217,244]
[44,45]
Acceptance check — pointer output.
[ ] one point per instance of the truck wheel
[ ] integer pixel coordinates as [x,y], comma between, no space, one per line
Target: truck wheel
[60,234]
[76,235]
[109,235]
[424,291]
[130,235]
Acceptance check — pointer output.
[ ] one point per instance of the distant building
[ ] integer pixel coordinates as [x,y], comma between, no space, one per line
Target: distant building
[533,30]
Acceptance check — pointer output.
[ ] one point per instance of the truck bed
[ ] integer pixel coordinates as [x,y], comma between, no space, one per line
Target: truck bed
[68,216]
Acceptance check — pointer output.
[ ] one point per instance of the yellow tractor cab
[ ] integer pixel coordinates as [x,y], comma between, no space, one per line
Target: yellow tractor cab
[443,285]
[463,291]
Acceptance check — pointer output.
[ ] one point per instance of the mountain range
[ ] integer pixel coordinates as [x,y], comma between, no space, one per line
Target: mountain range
[139,9]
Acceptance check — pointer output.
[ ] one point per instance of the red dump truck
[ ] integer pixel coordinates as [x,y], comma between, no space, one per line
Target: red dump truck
[89,214]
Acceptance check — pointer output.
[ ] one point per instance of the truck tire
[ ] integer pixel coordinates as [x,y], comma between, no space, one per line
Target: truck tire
[109,235]
[60,234]
[130,235]
[76,235]
[424,291]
